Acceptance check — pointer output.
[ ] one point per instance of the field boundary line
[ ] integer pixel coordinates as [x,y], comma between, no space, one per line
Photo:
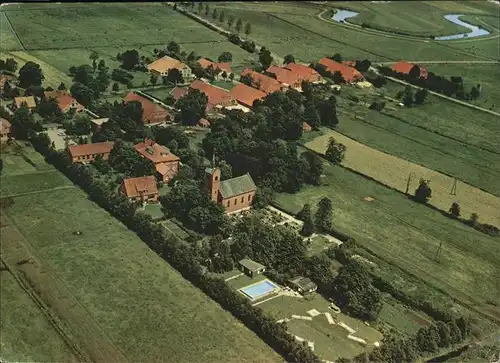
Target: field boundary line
[39,191]
[14,32]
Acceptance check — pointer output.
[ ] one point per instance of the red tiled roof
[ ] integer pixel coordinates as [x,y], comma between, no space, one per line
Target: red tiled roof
[155,152]
[350,63]
[151,112]
[405,68]
[246,95]
[349,74]
[305,72]
[204,122]
[306,127]
[91,149]
[285,76]
[222,66]
[64,99]
[216,96]
[144,185]
[179,92]
[262,82]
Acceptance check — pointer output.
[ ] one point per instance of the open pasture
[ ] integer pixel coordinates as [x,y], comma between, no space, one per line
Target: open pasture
[394,172]
[407,235]
[8,39]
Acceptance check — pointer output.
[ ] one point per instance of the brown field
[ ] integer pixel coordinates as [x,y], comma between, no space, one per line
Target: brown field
[394,172]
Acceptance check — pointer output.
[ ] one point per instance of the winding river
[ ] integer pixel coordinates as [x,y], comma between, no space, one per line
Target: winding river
[341,16]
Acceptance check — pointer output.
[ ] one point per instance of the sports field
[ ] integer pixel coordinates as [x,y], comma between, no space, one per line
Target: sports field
[407,235]
[394,172]
[113,294]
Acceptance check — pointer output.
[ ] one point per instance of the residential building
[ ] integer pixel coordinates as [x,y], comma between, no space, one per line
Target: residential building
[86,153]
[219,67]
[250,267]
[29,101]
[152,113]
[303,285]
[4,129]
[286,77]
[161,66]
[305,73]
[97,123]
[245,95]
[65,100]
[165,162]
[140,190]
[405,68]
[178,92]
[306,127]
[262,82]
[203,122]
[350,63]
[235,194]
[217,97]
[349,74]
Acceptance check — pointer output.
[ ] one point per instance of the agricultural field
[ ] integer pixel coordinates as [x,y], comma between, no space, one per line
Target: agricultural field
[130,296]
[407,235]
[8,39]
[394,172]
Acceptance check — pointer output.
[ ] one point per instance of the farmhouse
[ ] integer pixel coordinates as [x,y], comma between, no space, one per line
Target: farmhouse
[349,74]
[178,92]
[217,97]
[166,163]
[305,73]
[152,113]
[65,100]
[245,95]
[262,82]
[405,68]
[303,285]
[250,267]
[142,189]
[236,194]
[97,123]
[86,153]
[4,129]
[286,77]
[203,122]
[161,66]
[219,67]
[28,101]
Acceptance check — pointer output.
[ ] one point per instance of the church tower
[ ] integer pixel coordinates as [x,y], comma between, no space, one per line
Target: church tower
[213,182]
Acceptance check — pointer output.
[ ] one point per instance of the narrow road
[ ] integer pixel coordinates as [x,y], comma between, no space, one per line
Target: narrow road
[446,97]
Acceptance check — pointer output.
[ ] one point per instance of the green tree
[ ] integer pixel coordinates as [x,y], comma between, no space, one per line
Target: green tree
[321,270]
[200,7]
[474,219]
[306,209]
[408,96]
[424,192]
[337,57]
[207,9]
[220,255]
[174,76]
[225,57]
[248,29]
[49,109]
[10,65]
[308,226]
[7,90]
[239,25]
[335,151]
[153,79]
[30,75]
[62,87]
[214,14]
[221,17]
[338,78]
[125,159]
[230,21]
[265,58]
[289,58]
[444,334]
[328,112]
[116,87]
[130,59]
[23,125]
[192,107]
[474,92]
[101,65]
[311,115]
[454,210]
[312,167]
[83,74]
[226,171]
[83,94]
[323,215]
[455,333]
[173,47]
[420,96]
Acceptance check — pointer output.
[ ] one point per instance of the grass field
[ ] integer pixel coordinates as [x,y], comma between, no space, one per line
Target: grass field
[130,295]
[393,172]
[399,317]
[8,40]
[175,229]
[407,235]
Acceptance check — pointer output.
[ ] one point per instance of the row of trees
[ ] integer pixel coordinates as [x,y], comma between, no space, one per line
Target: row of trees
[204,8]
[182,257]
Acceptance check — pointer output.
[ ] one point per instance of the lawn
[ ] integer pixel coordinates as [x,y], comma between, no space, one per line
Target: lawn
[407,235]
[12,185]
[175,229]
[394,172]
[8,40]
[134,295]
[406,321]
[318,244]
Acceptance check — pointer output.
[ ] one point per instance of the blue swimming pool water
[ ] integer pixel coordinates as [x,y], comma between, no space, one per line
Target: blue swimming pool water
[260,289]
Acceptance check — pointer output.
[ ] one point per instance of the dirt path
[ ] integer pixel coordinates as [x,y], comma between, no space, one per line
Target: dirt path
[14,32]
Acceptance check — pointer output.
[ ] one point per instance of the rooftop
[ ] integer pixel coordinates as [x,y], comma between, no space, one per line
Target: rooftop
[261,81]
[162,65]
[63,98]
[349,74]
[29,100]
[236,186]
[246,95]
[100,121]
[135,187]
[155,152]
[4,126]
[283,75]
[221,66]
[406,67]
[91,149]
[304,283]
[216,96]
[148,107]
[251,264]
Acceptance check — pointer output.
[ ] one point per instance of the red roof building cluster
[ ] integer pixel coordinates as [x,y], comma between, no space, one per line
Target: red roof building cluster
[406,67]
[151,112]
[305,73]
[349,74]
[246,95]
[262,82]
[216,96]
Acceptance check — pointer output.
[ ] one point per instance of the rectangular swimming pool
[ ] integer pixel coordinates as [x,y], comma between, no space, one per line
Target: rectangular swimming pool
[258,289]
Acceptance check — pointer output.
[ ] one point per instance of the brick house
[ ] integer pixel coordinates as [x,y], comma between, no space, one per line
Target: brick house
[161,66]
[218,67]
[262,82]
[350,74]
[140,190]
[65,100]
[286,77]
[245,95]
[88,152]
[29,101]
[217,97]
[4,129]
[152,113]
[305,73]
[405,68]
[235,194]
[165,162]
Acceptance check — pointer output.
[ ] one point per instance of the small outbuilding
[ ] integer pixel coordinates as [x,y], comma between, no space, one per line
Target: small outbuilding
[302,284]
[251,268]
